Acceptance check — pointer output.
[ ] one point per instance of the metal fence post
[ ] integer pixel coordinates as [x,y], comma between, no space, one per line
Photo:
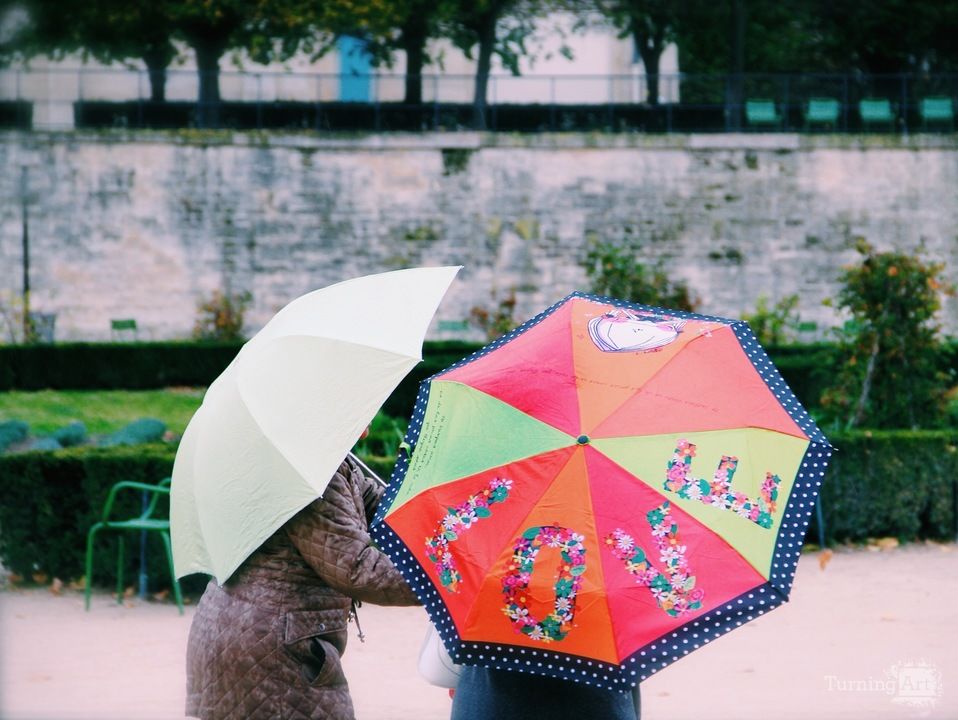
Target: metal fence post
[785,104]
[552,103]
[259,101]
[319,103]
[904,103]
[845,103]
[139,100]
[820,521]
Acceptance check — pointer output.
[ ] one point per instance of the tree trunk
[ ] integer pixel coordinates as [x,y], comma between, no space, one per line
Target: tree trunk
[156,63]
[487,42]
[414,45]
[650,48]
[208,55]
[736,83]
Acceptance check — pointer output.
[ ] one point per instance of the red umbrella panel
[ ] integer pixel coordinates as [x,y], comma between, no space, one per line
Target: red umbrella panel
[602,490]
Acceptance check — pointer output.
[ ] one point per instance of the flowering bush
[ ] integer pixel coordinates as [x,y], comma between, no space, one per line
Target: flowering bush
[221,317]
[890,374]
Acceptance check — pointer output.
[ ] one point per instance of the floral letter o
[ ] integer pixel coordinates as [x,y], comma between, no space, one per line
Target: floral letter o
[515,583]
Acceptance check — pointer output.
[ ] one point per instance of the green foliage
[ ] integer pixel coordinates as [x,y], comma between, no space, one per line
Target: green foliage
[71,435]
[143,430]
[891,483]
[774,325]
[87,366]
[221,317]
[52,499]
[890,350]
[819,36]
[498,321]
[616,271]
[385,434]
[12,431]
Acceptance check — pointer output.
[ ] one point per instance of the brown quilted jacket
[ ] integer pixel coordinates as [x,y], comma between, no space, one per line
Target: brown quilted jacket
[268,643]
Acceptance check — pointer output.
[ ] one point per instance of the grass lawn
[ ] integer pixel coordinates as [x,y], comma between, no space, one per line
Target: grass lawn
[102,411]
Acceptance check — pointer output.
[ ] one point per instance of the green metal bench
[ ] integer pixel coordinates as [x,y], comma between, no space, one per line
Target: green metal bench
[940,110]
[123,329]
[822,111]
[760,111]
[876,111]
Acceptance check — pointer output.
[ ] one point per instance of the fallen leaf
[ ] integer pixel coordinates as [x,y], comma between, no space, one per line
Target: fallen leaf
[887,543]
[78,584]
[161,595]
[825,558]
[56,587]
[664,693]
[40,578]
[888,618]
[748,670]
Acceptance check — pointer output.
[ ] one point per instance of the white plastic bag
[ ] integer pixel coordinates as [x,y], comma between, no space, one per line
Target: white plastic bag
[435,665]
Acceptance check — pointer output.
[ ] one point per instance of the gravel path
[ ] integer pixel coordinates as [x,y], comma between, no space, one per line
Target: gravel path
[873,635]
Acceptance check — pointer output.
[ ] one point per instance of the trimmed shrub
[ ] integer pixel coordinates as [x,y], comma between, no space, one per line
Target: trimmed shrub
[71,435]
[900,483]
[144,430]
[128,366]
[50,500]
[12,431]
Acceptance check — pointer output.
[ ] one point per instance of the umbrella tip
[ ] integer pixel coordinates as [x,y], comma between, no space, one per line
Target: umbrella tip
[582,439]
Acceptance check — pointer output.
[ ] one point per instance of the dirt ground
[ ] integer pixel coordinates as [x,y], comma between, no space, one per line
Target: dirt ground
[872,635]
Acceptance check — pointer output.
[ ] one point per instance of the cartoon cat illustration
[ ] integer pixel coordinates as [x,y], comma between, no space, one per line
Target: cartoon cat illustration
[622,330]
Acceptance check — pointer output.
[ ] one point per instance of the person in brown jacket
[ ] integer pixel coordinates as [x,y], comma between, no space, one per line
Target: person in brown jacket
[267,644]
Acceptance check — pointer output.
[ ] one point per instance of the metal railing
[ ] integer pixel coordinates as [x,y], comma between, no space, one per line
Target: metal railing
[94,97]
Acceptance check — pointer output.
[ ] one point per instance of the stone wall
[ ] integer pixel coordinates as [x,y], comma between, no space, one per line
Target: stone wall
[145,225]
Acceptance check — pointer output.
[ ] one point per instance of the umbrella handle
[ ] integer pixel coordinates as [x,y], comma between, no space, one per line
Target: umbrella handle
[366,469]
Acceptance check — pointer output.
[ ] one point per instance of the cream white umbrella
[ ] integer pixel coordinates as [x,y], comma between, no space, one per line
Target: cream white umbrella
[275,425]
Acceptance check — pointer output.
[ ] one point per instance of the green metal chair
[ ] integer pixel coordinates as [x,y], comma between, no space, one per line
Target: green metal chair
[876,111]
[762,112]
[144,522]
[822,111]
[940,110]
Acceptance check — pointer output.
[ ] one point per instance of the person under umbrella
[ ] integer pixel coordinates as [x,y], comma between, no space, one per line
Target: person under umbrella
[263,499]
[268,643]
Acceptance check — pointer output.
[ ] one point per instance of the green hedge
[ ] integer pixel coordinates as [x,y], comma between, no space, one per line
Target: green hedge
[891,483]
[117,366]
[808,369]
[50,500]
[899,484]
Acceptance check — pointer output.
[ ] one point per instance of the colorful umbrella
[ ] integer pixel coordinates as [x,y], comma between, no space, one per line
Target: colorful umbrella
[603,490]
[277,423]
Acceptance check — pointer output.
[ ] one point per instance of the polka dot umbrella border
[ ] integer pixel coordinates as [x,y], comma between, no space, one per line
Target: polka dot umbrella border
[699,631]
